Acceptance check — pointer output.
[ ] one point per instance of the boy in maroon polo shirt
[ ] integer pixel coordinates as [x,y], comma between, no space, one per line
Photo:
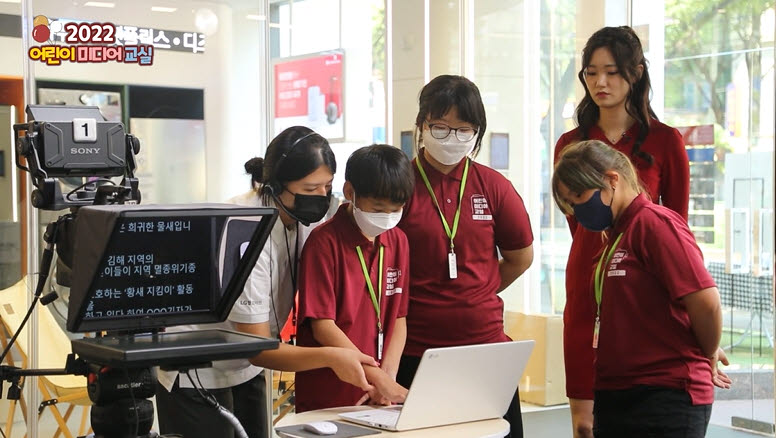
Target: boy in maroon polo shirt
[354,278]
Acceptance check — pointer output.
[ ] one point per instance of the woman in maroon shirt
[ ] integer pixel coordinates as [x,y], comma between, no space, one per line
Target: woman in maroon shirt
[658,318]
[616,111]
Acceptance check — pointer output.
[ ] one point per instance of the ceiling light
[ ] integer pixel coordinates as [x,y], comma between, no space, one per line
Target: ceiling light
[163,9]
[100,4]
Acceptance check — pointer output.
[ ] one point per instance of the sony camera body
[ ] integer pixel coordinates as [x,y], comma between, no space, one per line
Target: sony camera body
[76,141]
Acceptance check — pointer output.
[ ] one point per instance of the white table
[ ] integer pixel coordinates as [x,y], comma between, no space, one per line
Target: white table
[496,428]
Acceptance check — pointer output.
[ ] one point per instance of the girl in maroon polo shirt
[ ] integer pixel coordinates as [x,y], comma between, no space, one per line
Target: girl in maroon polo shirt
[658,318]
[616,111]
[461,216]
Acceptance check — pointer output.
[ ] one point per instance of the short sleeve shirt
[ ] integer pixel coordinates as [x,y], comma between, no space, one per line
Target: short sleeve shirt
[667,181]
[466,310]
[267,297]
[332,286]
[645,335]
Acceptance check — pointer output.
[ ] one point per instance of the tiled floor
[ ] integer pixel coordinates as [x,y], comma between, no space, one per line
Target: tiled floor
[556,421]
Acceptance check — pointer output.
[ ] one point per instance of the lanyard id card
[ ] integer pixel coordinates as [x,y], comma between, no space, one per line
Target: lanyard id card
[380,345]
[452,260]
[452,265]
[375,297]
[599,286]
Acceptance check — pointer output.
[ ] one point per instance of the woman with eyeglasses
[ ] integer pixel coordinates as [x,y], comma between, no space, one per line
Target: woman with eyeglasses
[460,218]
[616,111]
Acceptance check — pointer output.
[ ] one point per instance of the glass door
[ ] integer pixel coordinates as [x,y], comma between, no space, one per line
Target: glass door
[717,59]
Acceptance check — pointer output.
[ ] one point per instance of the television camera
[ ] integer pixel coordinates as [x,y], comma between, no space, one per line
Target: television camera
[136,270]
[76,141]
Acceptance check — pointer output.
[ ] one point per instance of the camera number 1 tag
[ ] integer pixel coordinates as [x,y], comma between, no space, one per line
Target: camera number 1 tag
[452,265]
[84,130]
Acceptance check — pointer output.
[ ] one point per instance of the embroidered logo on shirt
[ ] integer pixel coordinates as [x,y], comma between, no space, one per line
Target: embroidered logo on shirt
[480,208]
[618,256]
[391,277]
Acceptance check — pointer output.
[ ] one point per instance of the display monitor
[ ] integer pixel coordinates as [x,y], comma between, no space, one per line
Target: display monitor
[139,268]
[499,151]
[407,144]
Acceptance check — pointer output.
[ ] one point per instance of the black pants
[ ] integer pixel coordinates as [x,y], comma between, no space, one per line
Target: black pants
[182,411]
[409,365]
[648,411]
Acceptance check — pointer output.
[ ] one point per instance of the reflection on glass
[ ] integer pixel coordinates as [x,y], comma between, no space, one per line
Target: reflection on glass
[719,62]
[329,71]
[558,31]
[10,225]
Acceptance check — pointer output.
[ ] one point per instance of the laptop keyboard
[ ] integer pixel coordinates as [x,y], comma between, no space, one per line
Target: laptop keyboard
[387,417]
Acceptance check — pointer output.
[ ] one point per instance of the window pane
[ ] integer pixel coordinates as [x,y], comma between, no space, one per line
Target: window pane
[717,59]
[333,79]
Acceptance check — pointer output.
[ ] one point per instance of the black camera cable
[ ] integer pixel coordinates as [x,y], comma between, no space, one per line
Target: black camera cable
[293,269]
[134,403]
[45,267]
[208,397]
[70,193]
[50,237]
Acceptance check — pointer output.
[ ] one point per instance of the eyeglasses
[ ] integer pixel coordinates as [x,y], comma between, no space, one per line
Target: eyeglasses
[463,133]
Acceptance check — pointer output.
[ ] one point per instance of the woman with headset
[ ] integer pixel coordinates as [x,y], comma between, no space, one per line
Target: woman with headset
[295,176]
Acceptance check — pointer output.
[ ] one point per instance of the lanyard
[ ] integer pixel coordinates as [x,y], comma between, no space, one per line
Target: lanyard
[293,268]
[599,285]
[450,233]
[376,298]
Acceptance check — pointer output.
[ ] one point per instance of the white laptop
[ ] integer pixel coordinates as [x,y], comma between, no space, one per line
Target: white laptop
[455,385]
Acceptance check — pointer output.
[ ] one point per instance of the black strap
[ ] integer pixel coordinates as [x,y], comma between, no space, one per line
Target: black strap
[293,267]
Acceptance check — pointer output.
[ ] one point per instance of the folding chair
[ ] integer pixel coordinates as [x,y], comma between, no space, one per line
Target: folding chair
[53,348]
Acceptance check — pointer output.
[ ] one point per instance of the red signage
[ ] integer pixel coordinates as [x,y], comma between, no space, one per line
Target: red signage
[308,92]
[697,135]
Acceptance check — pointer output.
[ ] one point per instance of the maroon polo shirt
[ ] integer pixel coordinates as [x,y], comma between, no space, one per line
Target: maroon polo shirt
[645,336]
[668,182]
[466,310]
[332,286]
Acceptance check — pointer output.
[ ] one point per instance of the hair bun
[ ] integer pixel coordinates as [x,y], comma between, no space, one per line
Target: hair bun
[255,167]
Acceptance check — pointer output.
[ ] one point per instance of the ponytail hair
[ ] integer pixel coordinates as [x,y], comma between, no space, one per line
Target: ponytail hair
[582,166]
[255,168]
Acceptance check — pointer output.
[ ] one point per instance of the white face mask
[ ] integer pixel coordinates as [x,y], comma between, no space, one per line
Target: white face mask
[374,224]
[449,150]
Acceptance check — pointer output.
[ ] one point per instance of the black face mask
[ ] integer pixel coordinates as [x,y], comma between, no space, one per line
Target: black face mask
[594,214]
[307,208]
